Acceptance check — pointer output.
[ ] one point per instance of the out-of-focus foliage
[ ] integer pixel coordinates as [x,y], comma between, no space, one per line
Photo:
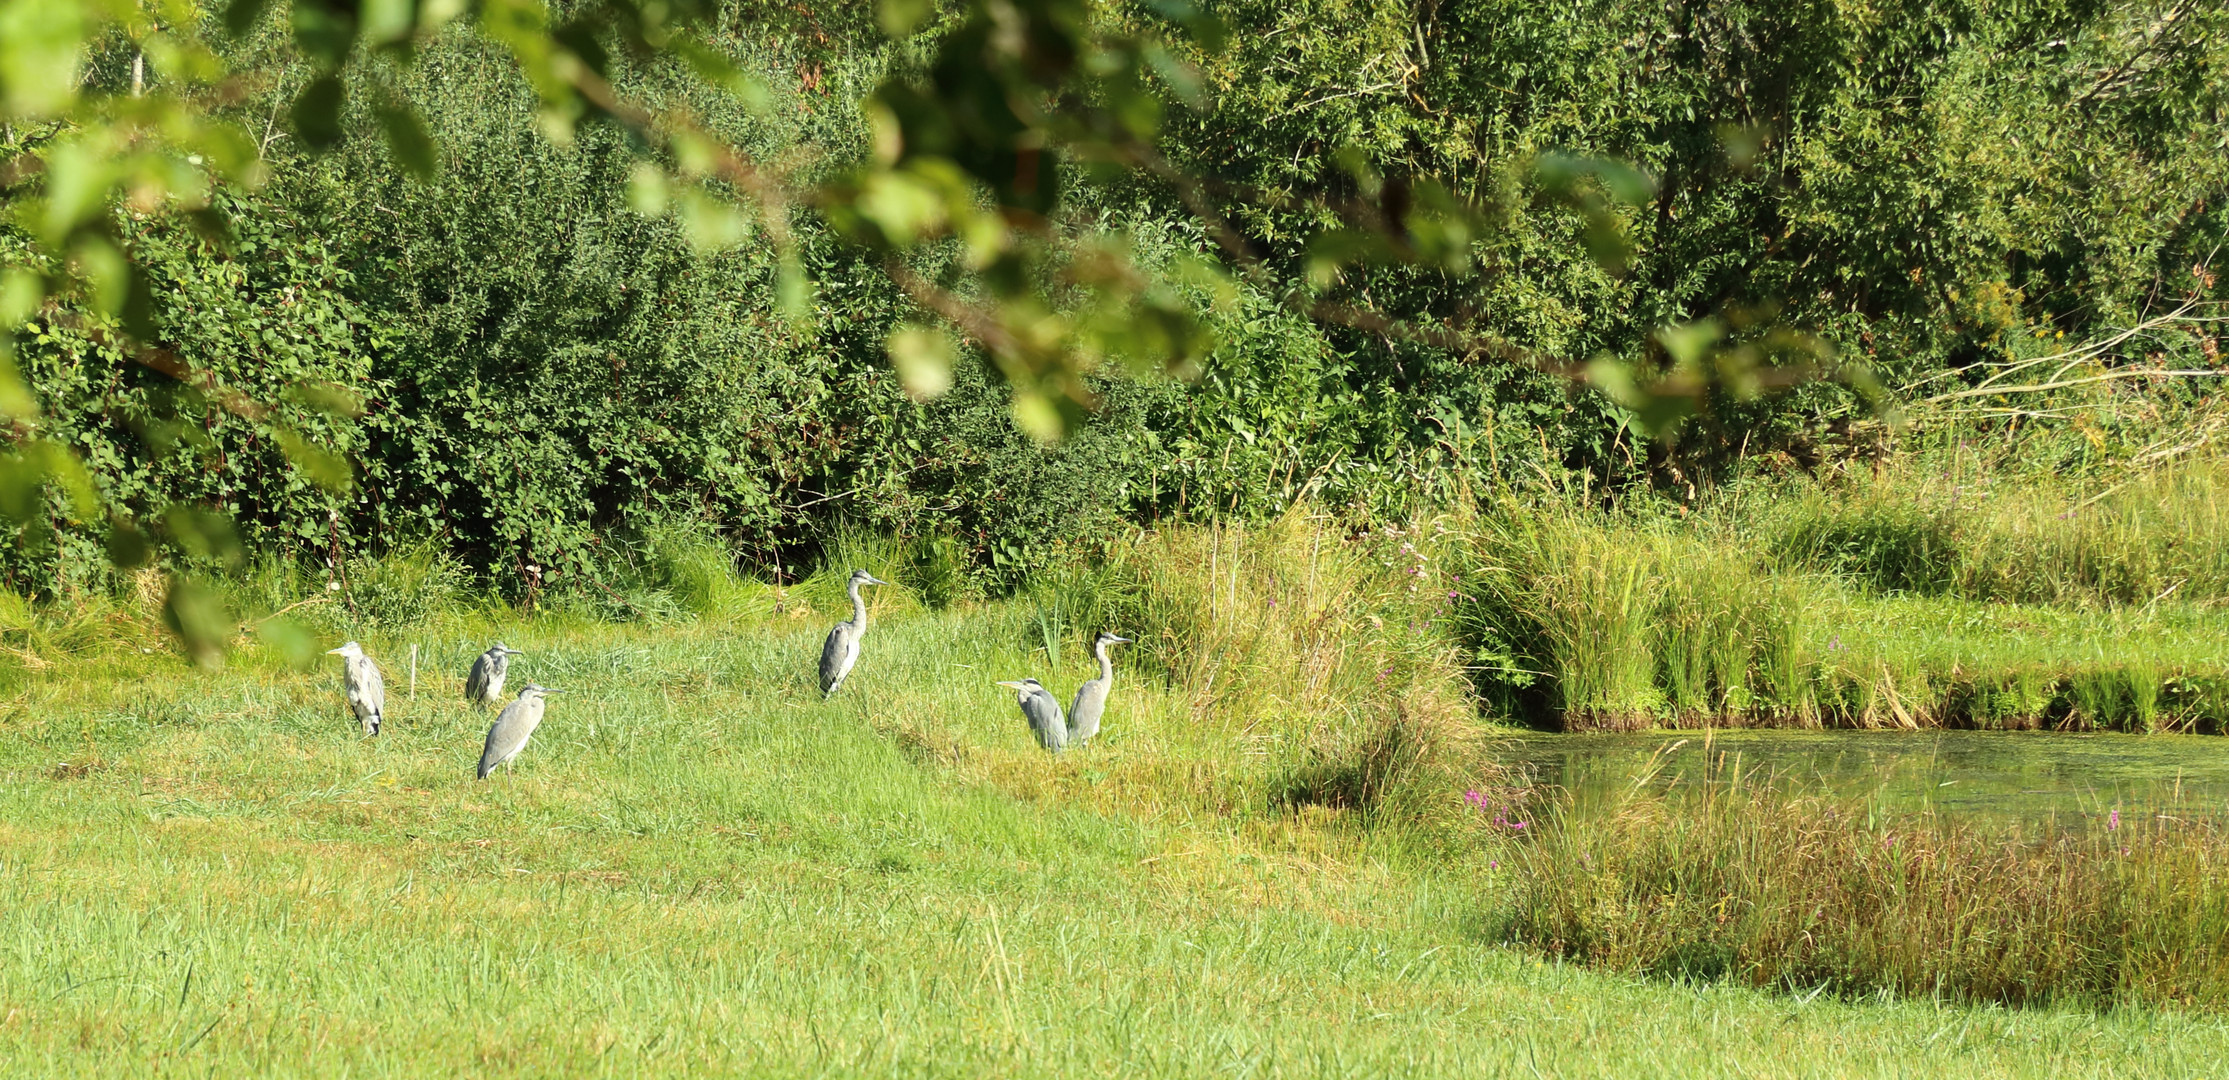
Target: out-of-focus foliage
[231,422]
[1922,185]
[547,279]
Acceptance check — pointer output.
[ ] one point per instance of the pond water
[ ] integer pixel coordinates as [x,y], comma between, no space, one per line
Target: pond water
[2035,776]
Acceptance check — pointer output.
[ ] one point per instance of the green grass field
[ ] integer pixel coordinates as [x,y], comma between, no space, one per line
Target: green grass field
[700,868]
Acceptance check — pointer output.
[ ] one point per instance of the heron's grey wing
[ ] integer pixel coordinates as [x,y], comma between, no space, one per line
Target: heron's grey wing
[476,684]
[1083,716]
[375,688]
[505,737]
[835,658]
[1044,719]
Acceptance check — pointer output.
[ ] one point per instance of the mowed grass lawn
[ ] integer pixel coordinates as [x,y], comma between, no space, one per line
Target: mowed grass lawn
[699,868]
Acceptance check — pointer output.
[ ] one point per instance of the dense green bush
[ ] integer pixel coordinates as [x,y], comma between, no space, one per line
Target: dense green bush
[547,365]
[278,356]
[1917,179]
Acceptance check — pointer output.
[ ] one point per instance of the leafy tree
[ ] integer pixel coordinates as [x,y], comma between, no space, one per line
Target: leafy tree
[1387,240]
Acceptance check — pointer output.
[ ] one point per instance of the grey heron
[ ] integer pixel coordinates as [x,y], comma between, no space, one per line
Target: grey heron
[485,685]
[842,649]
[1091,697]
[513,726]
[1042,712]
[367,692]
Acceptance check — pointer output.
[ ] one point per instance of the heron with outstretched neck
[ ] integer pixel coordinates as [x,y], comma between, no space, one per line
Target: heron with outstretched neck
[1091,697]
[842,648]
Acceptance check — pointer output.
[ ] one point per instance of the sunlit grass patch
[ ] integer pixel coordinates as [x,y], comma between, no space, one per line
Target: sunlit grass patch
[691,874]
[700,866]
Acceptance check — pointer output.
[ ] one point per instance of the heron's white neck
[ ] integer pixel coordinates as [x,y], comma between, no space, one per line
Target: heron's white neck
[858,610]
[1106,666]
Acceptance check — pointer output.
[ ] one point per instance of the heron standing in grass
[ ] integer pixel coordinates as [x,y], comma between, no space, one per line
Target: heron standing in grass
[1042,712]
[842,649]
[367,692]
[485,685]
[1091,697]
[512,727]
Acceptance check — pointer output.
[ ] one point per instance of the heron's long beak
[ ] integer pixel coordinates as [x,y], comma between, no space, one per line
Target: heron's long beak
[333,652]
[514,652]
[873,580]
[547,690]
[1015,684]
[1118,641]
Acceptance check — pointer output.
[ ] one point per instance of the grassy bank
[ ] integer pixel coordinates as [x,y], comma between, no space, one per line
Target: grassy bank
[1897,601]
[700,867]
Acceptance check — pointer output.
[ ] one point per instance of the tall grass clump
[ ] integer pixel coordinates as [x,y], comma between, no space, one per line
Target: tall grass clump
[1886,543]
[1770,889]
[34,635]
[821,593]
[1612,623]
[1610,620]
[405,586]
[1327,653]
[699,573]
[1914,527]
[930,569]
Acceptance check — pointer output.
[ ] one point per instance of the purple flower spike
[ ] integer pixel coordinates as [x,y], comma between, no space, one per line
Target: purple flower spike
[2113,821]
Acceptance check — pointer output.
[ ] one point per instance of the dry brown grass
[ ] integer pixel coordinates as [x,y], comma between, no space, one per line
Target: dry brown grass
[1811,893]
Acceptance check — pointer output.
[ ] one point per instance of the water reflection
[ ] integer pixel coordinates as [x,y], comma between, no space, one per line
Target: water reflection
[2029,776]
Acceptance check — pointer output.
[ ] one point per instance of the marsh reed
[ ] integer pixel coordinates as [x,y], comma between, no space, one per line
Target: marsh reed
[1759,885]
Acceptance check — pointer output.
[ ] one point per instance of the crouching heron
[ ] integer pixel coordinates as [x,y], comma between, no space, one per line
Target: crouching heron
[842,649]
[367,692]
[1091,697]
[1042,712]
[512,727]
[485,685]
